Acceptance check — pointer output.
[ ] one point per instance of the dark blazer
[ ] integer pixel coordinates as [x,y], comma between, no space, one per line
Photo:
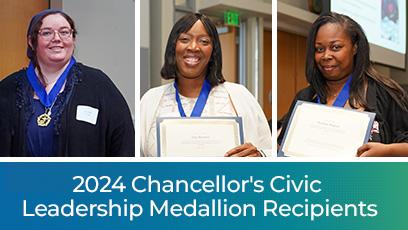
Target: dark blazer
[112,135]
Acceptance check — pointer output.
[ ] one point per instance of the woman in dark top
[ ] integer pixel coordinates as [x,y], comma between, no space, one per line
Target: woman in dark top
[58,107]
[337,62]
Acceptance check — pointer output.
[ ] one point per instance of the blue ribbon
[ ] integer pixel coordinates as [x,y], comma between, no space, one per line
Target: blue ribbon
[343,95]
[47,99]
[200,103]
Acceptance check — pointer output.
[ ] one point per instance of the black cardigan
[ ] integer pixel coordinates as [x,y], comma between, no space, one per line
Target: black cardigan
[112,135]
[391,119]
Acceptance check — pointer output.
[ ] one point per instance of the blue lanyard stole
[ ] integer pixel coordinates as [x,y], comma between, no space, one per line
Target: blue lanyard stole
[200,103]
[343,95]
[47,99]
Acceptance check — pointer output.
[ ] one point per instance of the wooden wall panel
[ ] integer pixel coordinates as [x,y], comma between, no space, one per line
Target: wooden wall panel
[286,71]
[300,63]
[267,74]
[230,55]
[14,19]
[291,69]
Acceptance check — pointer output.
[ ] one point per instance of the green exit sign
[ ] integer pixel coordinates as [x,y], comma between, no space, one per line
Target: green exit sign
[231,18]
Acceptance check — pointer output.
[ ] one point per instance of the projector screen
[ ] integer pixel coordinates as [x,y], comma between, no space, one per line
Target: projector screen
[384,23]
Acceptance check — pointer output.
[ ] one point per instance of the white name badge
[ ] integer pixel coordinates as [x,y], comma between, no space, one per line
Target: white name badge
[87,114]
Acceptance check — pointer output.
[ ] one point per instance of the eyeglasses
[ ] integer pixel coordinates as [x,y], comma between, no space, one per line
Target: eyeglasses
[48,34]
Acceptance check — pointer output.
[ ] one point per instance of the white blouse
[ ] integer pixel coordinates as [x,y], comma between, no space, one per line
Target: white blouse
[218,104]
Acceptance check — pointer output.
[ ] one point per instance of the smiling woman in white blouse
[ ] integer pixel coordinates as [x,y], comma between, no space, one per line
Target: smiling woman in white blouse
[193,59]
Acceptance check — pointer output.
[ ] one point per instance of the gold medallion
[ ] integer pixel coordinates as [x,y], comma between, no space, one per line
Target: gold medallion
[43,120]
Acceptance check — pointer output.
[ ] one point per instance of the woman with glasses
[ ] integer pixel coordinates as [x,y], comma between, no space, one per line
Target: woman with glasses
[58,106]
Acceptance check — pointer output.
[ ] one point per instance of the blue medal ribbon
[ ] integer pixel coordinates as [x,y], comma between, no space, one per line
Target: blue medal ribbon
[343,95]
[200,103]
[47,99]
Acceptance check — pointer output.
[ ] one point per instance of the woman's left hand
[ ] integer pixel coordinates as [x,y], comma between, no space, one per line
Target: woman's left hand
[245,150]
[373,149]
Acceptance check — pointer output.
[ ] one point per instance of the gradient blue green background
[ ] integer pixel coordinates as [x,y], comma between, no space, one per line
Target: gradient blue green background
[385,184]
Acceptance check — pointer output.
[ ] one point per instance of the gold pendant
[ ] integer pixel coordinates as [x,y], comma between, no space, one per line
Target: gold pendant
[44,120]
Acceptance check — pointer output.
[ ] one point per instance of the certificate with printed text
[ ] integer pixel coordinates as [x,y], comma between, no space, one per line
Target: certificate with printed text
[198,136]
[324,131]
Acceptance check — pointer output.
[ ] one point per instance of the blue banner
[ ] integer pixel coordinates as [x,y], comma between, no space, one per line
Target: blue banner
[198,195]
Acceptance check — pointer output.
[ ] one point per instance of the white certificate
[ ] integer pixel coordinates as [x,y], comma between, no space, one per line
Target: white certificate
[325,131]
[198,137]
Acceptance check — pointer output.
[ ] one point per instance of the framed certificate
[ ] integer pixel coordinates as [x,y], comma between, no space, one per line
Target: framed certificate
[325,131]
[198,136]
